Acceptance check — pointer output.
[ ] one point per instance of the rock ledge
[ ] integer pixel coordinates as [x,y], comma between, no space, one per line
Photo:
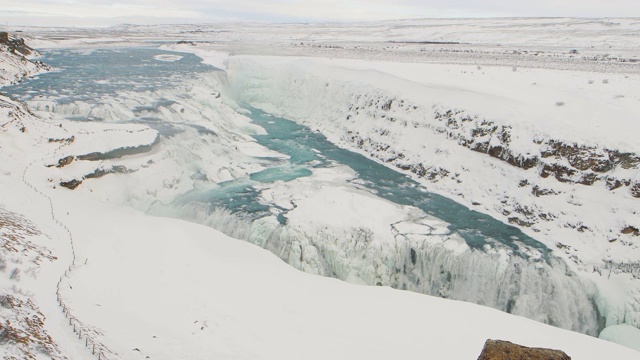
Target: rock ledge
[505,350]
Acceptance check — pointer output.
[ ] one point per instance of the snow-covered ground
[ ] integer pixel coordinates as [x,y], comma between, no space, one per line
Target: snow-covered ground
[551,151]
[145,286]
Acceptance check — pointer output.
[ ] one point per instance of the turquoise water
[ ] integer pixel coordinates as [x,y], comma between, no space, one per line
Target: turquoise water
[100,75]
[313,150]
[88,75]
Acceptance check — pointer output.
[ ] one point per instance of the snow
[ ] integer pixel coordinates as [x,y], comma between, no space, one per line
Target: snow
[174,289]
[110,137]
[341,98]
[164,288]
[14,67]
[208,54]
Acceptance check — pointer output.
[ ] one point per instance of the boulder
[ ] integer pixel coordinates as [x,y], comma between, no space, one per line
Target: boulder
[71,184]
[505,350]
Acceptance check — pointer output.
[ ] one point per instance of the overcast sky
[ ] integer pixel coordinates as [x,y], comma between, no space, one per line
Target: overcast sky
[102,12]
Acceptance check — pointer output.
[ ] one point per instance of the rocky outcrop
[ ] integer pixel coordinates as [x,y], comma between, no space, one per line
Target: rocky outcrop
[617,267]
[14,54]
[631,230]
[65,161]
[23,331]
[97,173]
[120,152]
[71,184]
[635,190]
[115,169]
[564,161]
[505,350]
[15,45]
[382,152]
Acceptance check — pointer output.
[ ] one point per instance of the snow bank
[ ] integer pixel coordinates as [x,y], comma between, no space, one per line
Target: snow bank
[165,288]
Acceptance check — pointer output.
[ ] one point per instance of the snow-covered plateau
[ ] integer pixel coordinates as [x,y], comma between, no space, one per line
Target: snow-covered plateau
[443,157]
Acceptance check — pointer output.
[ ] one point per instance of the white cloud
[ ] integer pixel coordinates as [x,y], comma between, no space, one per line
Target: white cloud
[101,12]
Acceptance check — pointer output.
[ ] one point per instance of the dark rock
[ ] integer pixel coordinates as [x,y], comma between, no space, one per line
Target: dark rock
[71,184]
[635,190]
[538,191]
[115,169]
[516,220]
[505,350]
[521,161]
[16,45]
[631,230]
[625,160]
[65,161]
[613,183]
[632,267]
[581,157]
[560,172]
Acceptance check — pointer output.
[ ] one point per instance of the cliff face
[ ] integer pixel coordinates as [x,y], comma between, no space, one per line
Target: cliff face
[14,60]
[505,350]
[566,162]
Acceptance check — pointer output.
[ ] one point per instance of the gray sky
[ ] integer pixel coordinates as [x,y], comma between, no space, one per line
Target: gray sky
[102,12]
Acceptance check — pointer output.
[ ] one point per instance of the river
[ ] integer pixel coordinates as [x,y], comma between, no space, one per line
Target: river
[528,281]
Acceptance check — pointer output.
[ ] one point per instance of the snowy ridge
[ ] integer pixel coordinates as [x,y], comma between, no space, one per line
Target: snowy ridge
[23,331]
[14,60]
[78,328]
[599,45]
[22,129]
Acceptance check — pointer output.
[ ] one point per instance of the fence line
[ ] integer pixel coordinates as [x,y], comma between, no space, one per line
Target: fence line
[97,349]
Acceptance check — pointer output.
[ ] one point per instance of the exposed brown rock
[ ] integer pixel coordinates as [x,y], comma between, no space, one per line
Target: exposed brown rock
[631,230]
[71,184]
[505,350]
[635,190]
[16,45]
[65,161]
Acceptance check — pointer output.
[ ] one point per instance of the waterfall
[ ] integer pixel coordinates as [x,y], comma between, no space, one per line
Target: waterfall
[542,290]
